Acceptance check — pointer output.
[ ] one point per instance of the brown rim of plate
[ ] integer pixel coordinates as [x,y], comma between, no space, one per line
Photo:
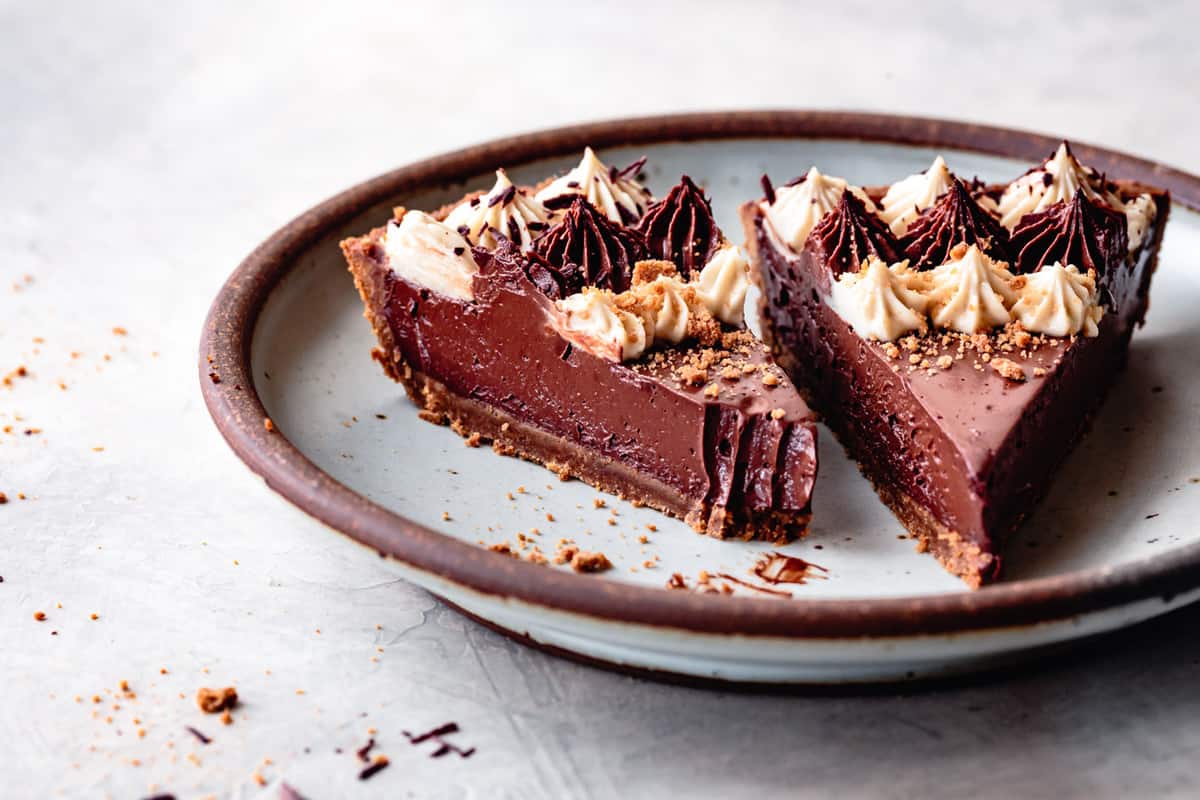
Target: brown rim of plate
[239,414]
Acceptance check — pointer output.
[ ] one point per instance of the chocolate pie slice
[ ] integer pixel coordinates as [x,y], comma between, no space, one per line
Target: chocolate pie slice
[585,326]
[957,338]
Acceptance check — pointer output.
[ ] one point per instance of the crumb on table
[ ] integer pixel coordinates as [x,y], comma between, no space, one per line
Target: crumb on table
[583,561]
[212,701]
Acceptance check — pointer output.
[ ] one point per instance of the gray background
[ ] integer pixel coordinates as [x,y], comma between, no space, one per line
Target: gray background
[145,148]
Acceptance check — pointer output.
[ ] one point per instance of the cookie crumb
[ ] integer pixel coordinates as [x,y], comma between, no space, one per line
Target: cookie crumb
[691,376]
[1008,369]
[213,700]
[565,553]
[590,562]
[268,425]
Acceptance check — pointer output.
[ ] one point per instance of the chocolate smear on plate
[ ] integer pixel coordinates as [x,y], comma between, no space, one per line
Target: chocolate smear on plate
[775,568]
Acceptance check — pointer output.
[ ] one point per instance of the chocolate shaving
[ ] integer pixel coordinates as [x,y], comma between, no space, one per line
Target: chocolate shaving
[542,274]
[633,169]
[441,730]
[850,233]
[203,739]
[768,189]
[587,249]
[363,751]
[954,219]
[1080,233]
[504,198]
[681,229]
[444,747]
[377,766]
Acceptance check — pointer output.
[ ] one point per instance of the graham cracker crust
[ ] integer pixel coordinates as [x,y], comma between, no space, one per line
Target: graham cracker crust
[957,555]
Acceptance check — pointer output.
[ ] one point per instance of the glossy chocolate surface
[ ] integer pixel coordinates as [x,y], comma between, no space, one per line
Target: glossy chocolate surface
[586,249]
[1080,232]
[955,218]
[850,233]
[681,228]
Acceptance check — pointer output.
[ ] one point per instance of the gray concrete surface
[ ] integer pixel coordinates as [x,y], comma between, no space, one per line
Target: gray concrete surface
[145,148]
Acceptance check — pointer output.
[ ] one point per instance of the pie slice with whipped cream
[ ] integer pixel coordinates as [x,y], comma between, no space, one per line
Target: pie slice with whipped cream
[584,325]
[956,337]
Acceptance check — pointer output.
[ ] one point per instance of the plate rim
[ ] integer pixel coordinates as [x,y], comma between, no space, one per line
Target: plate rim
[229,393]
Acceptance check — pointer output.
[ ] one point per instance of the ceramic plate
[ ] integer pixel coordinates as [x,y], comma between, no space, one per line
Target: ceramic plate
[1114,543]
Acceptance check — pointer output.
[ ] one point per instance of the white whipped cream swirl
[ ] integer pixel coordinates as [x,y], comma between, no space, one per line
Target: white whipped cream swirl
[428,253]
[595,182]
[722,285]
[907,198]
[1139,214]
[620,327]
[878,301]
[1056,182]
[505,211]
[799,207]
[665,310]
[1059,301]
[591,321]
[970,293]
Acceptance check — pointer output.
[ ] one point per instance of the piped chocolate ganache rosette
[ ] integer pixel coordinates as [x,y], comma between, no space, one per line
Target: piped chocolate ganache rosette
[956,337]
[584,325]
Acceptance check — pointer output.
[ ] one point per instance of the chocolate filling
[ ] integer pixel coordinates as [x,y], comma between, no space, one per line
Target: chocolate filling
[681,229]
[587,249]
[740,464]
[1081,233]
[849,233]
[954,219]
[961,455]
